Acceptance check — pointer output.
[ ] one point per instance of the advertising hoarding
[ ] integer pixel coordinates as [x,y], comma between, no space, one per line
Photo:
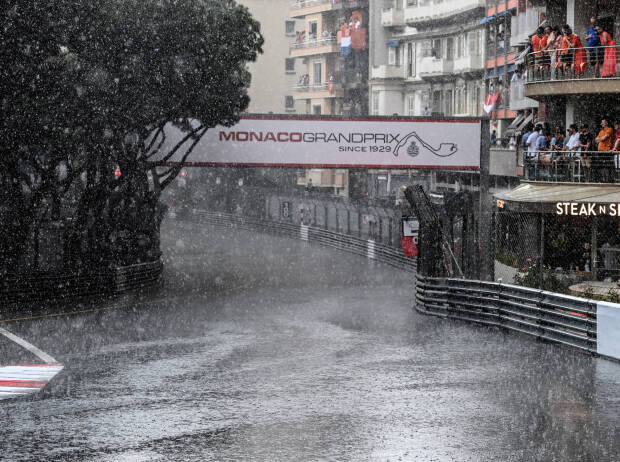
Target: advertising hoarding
[330,142]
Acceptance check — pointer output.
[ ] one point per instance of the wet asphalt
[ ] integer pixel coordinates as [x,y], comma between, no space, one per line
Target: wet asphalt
[271,349]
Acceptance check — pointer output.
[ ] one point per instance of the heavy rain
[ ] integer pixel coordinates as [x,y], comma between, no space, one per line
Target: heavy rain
[284,230]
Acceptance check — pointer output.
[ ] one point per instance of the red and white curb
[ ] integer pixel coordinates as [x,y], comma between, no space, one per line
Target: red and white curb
[23,379]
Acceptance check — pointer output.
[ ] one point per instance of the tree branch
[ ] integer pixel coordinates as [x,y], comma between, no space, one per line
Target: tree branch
[177,168]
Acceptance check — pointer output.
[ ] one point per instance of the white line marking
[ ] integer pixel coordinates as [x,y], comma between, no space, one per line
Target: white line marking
[28,346]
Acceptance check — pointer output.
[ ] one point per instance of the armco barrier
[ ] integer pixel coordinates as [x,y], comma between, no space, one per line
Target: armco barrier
[45,286]
[558,318]
[353,244]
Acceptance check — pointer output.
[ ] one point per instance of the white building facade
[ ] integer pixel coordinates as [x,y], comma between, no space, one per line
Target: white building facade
[427,57]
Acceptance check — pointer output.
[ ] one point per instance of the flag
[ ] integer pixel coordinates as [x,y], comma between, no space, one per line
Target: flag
[345,46]
[491,101]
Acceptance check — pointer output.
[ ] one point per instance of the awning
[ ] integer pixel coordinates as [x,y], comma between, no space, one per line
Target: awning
[393,43]
[543,197]
[505,12]
[487,19]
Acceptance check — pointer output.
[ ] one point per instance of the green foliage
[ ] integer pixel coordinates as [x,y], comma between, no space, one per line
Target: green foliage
[89,87]
[529,276]
[613,296]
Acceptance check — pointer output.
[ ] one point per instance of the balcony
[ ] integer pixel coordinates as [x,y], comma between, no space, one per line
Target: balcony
[387,72]
[435,67]
[324,90]
[429,11]
[518,100]
[572,167]
[393,17]
[469,64]
[301,8]
[341,4]
[314,47]
[572,79]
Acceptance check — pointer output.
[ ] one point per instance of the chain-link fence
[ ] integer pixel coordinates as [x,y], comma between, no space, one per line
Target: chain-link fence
[554,252]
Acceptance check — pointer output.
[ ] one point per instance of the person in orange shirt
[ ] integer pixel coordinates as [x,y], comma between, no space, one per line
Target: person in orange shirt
[573,55]
[604,140]
[610,54]
[537,48]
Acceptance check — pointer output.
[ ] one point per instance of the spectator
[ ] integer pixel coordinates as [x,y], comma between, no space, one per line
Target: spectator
[604,140]
[531,150]
[493,138]
[568,159]
[610,54]
[536,47]
[616,150]
[573,55]
[585,147]
[573,139]
[557,142]
[593,46]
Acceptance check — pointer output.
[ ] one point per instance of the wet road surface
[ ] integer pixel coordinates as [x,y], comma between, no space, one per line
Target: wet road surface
[262,348]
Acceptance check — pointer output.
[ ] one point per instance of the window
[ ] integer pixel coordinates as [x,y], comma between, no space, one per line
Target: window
[316,74]
[465,101]
[289,28]
[289,64]
[289,103]
[375,103]
[473,41]
[394,56]
[436,49]
[448,101]
[411,105]
[450,49]
[412,2]
[313,29]
[411,59]
[460,51]
[316,109]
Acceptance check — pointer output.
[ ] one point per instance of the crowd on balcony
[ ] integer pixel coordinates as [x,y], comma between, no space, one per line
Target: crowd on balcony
[558,53]
[577,156]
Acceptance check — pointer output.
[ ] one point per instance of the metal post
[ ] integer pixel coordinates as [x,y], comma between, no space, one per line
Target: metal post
[484,223]
[348,221]
[541,282]
[594,248]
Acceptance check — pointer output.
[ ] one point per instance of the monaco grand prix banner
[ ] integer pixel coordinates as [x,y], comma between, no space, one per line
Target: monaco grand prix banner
[272,141]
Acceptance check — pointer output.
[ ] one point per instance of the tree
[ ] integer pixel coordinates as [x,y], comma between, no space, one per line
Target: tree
[108,79]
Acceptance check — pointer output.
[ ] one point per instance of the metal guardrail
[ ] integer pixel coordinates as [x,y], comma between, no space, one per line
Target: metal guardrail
[554,317]
[46,286]
[353,244]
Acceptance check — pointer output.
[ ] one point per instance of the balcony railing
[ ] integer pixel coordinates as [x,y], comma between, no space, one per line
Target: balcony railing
[387,72]
[313,43]
[430,66]
[299,4]
[434,10]
[392,17]
[468,63]
[573,64]
[573,166]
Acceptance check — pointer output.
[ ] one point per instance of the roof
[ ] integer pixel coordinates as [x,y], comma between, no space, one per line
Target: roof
[542,197]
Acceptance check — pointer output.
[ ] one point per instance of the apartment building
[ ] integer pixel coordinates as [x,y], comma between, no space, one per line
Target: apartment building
[274,72]
[331,53]
[427,57]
